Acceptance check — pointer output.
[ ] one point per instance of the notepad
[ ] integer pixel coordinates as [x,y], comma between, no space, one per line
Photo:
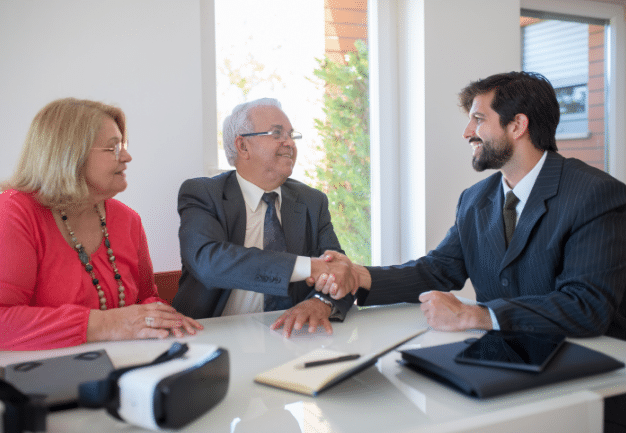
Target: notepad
[312,381]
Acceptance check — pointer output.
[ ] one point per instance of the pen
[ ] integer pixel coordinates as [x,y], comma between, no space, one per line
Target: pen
[329,361]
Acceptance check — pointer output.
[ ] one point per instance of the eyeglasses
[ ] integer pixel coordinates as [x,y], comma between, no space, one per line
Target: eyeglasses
[117,149]
[277,134]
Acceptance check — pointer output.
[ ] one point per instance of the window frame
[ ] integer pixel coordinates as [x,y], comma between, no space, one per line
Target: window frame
[389,191]
[615,89]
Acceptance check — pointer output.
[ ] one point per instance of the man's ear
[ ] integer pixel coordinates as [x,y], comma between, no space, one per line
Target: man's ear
[519,125]
[240,144]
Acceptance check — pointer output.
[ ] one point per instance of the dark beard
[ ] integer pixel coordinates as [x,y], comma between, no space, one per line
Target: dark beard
[493,155]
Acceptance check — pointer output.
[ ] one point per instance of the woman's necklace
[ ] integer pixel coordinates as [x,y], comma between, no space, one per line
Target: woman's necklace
[84,258]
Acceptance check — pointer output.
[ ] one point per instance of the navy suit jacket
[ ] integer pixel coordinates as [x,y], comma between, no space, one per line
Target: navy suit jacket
[564,270]
[214,260]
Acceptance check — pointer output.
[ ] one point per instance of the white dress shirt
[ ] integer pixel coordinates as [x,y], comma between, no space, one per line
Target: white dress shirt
[243,301]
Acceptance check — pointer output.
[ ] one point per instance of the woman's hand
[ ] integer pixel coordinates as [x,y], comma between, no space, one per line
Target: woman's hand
[155,320]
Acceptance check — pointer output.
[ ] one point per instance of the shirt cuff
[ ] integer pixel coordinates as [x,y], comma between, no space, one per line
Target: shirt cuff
[494,322]
[301,270]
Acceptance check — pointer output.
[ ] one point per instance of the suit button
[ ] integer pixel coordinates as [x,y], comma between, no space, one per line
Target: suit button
[505,282]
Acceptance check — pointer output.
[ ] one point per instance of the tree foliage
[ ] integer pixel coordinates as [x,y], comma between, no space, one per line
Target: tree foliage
[344,172]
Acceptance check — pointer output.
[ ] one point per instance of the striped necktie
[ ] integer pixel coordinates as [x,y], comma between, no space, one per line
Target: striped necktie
[510,216]
[274,240]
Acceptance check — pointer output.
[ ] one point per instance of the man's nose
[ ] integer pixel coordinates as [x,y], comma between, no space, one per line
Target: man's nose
[469,131]
[288,141]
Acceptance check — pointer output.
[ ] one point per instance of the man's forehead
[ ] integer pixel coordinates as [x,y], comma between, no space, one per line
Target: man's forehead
[482,103]
[269,116]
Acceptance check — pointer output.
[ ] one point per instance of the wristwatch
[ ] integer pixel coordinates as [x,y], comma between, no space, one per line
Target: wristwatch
[333,308]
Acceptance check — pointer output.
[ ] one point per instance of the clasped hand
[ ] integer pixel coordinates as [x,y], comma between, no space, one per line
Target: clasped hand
[338,279]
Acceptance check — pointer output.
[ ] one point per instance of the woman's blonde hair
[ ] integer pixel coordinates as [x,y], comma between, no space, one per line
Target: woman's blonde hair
[57,145]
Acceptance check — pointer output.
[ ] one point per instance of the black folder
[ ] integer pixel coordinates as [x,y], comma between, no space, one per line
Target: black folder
[571,362]
[57,379]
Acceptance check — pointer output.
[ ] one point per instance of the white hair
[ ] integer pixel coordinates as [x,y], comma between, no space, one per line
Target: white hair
[239,122]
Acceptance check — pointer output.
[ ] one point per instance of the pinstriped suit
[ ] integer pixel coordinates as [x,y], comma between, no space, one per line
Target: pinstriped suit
[212,233]
[564,271]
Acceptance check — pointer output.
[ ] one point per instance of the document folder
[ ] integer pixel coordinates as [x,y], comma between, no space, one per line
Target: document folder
[58,378]
[571,362]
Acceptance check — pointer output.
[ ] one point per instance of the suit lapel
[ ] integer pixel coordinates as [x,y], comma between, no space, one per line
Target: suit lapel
[235,210]
[546,187]
[293,219]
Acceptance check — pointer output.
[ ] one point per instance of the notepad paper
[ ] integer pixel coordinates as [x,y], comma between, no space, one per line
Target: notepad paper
[311,381]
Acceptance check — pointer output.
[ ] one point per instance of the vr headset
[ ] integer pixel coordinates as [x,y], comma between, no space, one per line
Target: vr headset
[170,392]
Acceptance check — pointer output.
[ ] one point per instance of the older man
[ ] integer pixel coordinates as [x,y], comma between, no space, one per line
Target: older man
[250,237]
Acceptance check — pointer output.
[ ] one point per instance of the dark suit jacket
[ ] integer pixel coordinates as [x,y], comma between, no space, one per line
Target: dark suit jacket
[214,260]
[564,271]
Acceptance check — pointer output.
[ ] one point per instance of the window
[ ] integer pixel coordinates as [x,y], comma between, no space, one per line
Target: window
[312,57]
[571,52]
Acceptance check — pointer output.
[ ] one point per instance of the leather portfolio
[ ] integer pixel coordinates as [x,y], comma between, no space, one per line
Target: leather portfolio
[57,379]
[571,362]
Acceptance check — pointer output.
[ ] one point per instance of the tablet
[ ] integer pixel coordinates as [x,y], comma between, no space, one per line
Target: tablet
[516,350]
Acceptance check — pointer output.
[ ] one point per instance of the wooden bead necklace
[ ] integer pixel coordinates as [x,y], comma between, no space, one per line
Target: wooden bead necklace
[84,258]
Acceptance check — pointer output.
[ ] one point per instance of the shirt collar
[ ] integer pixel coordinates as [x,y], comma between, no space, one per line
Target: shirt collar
[252,194]
[525,186]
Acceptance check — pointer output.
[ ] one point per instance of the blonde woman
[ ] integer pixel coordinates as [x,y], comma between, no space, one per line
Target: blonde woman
[74,262]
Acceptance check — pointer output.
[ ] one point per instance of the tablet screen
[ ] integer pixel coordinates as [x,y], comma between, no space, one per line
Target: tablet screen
[517,350]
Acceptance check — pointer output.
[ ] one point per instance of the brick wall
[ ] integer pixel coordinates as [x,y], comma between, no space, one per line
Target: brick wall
[345,22]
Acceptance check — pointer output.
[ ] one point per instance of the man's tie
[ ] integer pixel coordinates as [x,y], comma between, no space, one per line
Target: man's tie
[274,240]
[510,216]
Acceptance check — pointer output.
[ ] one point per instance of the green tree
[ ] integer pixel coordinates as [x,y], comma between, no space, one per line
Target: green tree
[344,172]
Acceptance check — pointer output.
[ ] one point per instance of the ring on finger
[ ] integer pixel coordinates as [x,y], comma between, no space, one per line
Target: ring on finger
[149,321]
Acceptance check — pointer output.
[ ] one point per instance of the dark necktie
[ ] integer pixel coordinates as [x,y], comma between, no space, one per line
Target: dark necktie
[274,240]
[510,216]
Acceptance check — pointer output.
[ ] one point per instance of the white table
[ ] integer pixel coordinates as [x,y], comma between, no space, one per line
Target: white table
[384,398]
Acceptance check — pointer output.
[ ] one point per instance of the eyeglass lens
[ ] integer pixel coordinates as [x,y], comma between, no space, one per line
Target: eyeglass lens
[118,149]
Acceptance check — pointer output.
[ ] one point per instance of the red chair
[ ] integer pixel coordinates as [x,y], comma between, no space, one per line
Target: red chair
[167,284]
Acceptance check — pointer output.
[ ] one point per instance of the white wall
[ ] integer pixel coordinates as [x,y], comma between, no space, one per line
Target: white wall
[465,41]
[142,55]
[423,53]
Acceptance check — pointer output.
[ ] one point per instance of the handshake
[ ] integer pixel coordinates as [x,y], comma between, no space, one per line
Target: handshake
[335,275]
